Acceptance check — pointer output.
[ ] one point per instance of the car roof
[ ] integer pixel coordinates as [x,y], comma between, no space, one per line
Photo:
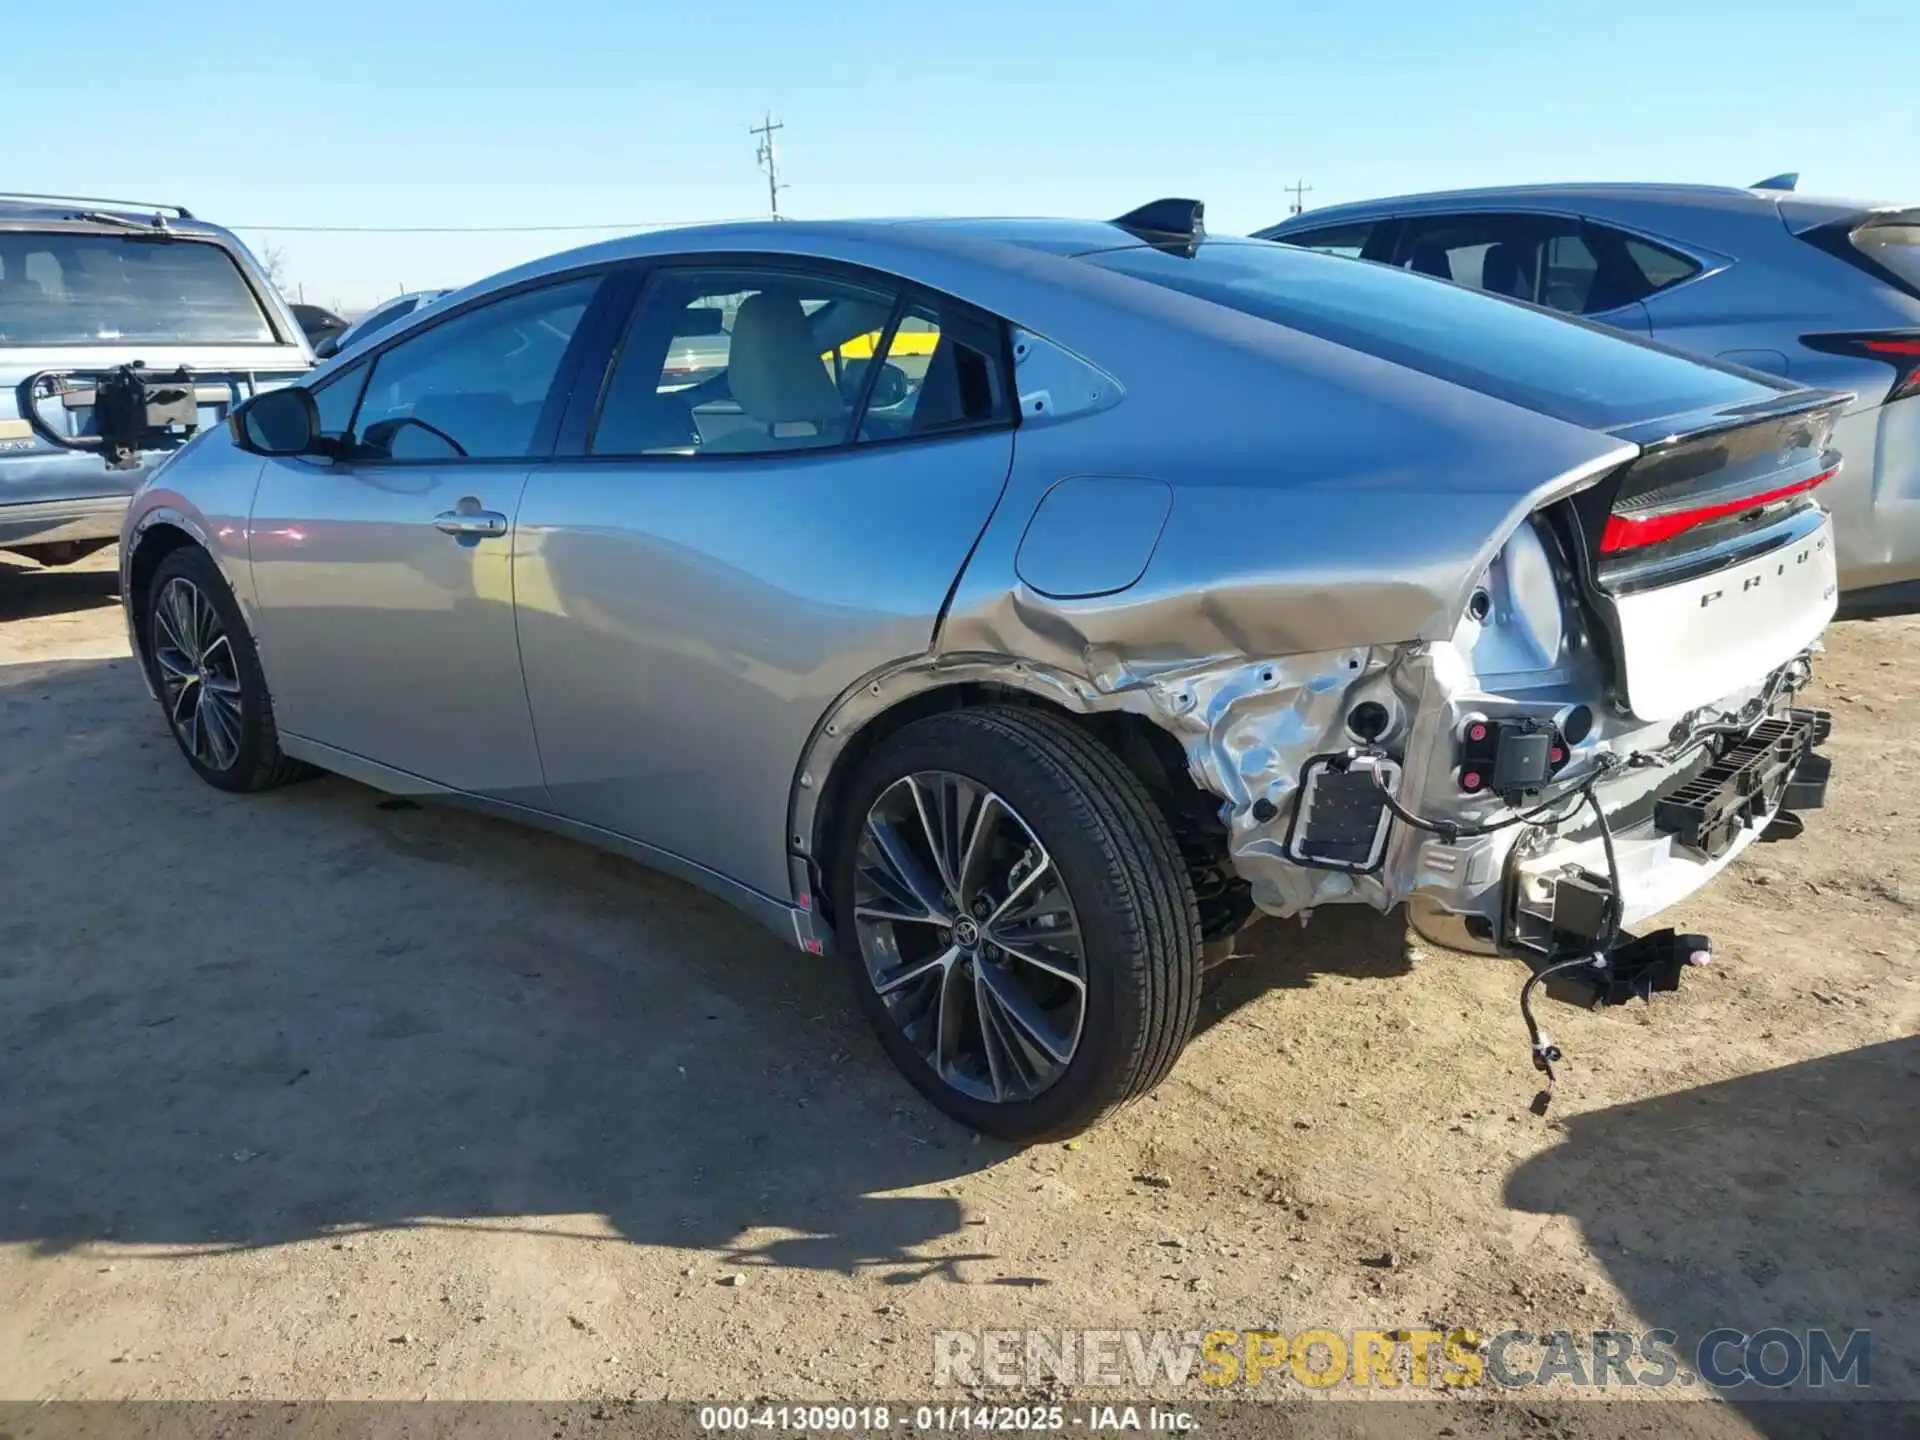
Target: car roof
[30,212]
[1698,197]
[1052,236]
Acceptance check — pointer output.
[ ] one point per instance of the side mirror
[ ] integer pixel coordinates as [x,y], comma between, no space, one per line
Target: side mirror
[327,346]
[279,422]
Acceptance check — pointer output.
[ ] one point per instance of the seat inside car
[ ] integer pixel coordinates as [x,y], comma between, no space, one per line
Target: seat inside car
[775,373]
[1508,270]
[1430,258]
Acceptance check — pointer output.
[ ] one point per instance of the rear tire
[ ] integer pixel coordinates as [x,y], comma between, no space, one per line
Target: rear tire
[202,659]
[1095,888]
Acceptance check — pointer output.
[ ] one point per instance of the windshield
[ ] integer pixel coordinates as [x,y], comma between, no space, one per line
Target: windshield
[79,289]
[1896,247]
[1556,366]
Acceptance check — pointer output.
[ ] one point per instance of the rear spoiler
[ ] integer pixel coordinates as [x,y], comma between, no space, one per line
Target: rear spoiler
[1833,227]
[1801,216]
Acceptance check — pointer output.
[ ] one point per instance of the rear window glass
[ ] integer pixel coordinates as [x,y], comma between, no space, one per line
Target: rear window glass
[1564,368]
[1897,247]
[74,289]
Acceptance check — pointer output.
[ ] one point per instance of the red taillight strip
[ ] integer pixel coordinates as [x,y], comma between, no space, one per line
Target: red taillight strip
[1628,532]
[1900,350]
[1903,385]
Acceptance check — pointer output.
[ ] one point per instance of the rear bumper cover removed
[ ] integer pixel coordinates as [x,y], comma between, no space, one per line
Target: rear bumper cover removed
[1699,820]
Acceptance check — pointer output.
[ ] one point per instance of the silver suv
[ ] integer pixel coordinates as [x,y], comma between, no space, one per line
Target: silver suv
[125,329]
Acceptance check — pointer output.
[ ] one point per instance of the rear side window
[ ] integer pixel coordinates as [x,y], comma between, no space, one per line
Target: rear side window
[942,371]
[77,289]
[1567,369]
[1543,259]
[741,362]
[1657,266]
[1347,240]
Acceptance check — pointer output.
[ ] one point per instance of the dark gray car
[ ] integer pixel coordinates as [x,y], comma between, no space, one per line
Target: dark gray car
[1823,292]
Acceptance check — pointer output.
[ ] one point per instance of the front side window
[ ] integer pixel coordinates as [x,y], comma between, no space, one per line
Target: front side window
[471,387]
[1347,240]
[336,398]
[77,289]
[742,362]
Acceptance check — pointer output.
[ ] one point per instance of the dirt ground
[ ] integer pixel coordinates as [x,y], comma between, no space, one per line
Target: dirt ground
[306,1095]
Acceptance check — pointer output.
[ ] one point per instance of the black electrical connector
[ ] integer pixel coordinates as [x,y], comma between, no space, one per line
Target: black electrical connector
[1513,758]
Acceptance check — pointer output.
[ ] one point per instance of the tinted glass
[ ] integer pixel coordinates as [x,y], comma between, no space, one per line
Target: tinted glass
[1347,240]
[1568,274]
[1658,266]
[472,386]
[336,398]
[383,317]
[942,371]
[1558,367]
[741,362]
[1540,259]
[102,289]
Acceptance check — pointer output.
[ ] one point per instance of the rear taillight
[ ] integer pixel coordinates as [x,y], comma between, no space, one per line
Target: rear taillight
[1898,348]
[1632,532]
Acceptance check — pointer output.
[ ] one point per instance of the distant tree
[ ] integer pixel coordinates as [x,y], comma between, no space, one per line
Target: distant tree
[273,260]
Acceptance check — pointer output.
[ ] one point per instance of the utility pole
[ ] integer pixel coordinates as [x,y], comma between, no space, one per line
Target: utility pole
[770,159]
[1299,191]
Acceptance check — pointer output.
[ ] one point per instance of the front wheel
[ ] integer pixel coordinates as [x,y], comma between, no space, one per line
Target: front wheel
[204,665]
[1021,930]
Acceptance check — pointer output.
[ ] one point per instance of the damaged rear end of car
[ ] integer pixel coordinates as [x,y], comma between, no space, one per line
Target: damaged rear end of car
[1507,630]
[1548,807]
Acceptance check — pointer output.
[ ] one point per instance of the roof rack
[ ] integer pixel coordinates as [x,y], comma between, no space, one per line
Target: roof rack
[180,210]
[1175,223]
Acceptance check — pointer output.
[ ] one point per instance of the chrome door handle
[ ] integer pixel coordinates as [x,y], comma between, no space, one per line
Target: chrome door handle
[478,523]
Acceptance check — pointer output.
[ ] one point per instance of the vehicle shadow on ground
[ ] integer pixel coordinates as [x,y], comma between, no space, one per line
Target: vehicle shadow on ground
[28,591]
[1348,940]
[1790,1198]
[243,1021]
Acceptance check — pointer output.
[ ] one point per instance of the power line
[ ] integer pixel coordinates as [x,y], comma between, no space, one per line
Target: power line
[485,229]
[1299,190]
[769,157]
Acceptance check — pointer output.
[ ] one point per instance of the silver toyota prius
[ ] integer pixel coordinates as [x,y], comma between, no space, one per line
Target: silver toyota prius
[1020,608]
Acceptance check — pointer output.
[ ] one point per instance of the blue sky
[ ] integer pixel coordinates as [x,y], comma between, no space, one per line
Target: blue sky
[430,112]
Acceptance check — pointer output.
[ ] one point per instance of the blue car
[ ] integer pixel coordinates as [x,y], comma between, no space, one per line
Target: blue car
[1821,292]
[125,329]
